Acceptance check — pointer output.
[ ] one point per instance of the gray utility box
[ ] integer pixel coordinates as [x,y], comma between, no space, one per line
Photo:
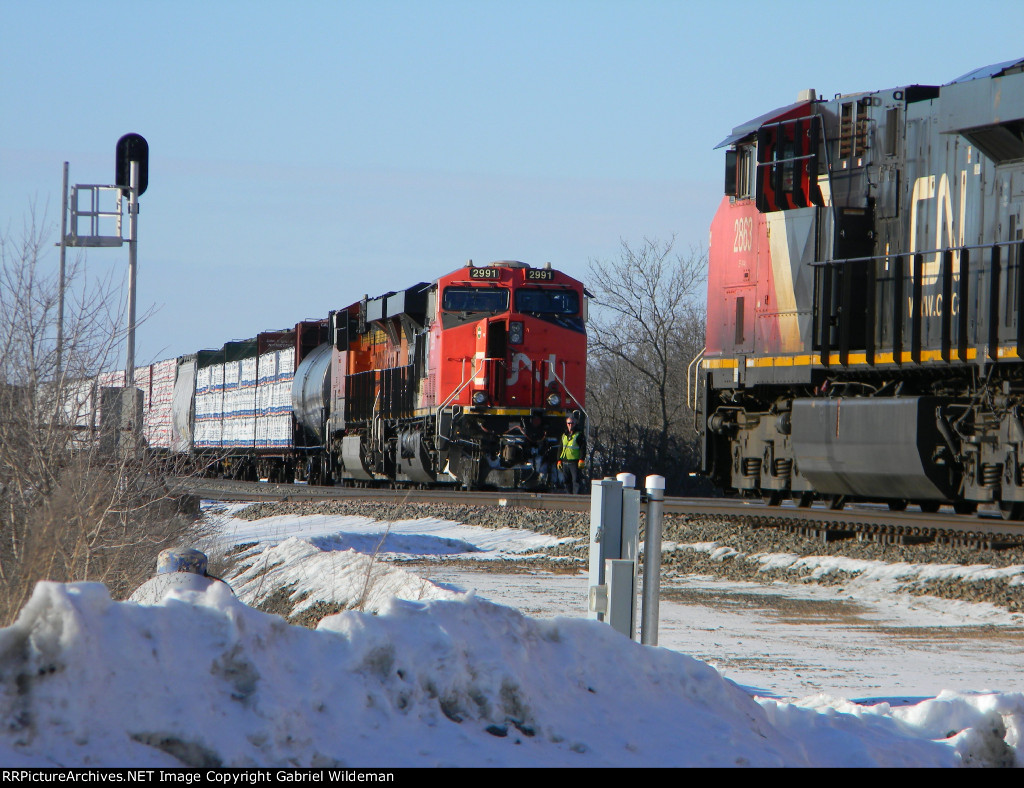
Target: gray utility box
[614,549]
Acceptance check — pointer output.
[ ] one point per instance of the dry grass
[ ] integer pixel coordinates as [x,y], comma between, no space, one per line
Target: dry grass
[67,512]
[97,523]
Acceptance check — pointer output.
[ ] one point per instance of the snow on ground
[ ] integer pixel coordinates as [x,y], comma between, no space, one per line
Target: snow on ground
[423,675]
[425,536]
[890,575]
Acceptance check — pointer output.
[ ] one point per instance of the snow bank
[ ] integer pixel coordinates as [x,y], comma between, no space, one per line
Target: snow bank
[310,574]
[203,680]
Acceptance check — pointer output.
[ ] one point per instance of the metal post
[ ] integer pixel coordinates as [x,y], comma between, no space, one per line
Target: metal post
[60,286]
[652,560]
[133,238]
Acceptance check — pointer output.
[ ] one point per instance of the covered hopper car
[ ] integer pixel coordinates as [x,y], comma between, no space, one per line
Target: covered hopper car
[465,380]
[864,334]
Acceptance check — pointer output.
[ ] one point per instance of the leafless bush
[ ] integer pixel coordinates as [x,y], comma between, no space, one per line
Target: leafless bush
[66,511]
[646,327]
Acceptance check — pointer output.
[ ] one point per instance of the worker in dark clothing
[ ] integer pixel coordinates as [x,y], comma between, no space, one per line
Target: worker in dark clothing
[537,436]
[534,430]
[570,460]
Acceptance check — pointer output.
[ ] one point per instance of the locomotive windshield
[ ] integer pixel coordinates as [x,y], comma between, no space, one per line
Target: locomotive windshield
[547,302]
[561,307]
[475,299]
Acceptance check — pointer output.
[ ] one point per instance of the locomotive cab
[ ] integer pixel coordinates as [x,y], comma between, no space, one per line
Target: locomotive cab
[521,358]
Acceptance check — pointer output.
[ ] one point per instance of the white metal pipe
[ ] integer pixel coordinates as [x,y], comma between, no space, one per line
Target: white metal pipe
[652,560]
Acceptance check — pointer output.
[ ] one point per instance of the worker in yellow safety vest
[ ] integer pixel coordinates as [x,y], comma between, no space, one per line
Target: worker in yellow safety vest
[574,448]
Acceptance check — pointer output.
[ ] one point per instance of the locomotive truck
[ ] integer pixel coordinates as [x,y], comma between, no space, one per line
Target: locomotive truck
[864,336]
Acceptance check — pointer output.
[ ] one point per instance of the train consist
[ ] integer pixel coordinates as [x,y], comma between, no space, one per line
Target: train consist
[865,338]
[465,380]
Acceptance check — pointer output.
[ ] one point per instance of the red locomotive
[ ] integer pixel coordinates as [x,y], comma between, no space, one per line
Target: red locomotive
[464,380]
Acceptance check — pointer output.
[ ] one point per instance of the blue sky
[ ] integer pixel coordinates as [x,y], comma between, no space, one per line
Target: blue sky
[306,153]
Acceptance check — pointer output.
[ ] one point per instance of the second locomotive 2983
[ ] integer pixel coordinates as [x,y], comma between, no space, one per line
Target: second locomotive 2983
[865,337]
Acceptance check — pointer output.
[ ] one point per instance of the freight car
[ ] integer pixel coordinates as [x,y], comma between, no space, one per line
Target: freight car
[864,331]
[465,380]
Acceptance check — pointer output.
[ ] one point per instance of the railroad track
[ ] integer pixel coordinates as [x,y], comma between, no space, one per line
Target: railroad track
[863,521]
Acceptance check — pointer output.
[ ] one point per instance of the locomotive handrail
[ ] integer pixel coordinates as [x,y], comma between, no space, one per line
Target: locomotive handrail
[554,374]
[462,385]
[892,358]
[966,247]
[692,402]
[448,400]
[376,423]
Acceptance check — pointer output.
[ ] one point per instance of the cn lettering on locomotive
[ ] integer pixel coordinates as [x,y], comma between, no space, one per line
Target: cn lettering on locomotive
[864,334]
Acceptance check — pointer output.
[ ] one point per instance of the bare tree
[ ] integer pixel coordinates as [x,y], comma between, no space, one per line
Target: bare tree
[67,512]
[647,326]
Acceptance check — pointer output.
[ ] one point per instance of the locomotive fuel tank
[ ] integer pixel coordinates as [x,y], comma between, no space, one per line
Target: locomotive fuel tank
[882,447]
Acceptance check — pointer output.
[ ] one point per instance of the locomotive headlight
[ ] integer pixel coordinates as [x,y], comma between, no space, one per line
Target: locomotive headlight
[480,398]
[554,400]
[515,332]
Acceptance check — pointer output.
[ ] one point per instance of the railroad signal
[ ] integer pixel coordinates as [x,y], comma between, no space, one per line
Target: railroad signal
[131,177]
[132,147]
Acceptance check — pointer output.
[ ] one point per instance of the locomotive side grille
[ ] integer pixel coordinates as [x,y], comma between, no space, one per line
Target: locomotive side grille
[853,129]
[396,392]
[860,139]
[359,402]
[845,130]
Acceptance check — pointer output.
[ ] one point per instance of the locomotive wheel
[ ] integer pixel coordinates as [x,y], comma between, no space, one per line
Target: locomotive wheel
[1011,510]
[837,502]
[965,507]
[772,498]
[803,500]
[929,507]
[897,506]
